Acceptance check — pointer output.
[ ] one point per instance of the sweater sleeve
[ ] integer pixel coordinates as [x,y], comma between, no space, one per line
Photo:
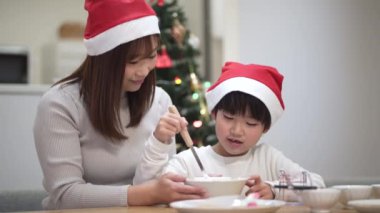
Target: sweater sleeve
[58,147]
[156,154]
[155,157]
[177,165]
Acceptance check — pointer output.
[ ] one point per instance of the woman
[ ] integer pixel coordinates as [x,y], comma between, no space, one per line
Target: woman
[92,126]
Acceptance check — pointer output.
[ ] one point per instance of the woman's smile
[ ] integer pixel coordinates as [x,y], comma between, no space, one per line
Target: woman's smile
[138,82]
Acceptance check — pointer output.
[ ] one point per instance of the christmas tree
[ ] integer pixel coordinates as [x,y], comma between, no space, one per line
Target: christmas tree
[177,73]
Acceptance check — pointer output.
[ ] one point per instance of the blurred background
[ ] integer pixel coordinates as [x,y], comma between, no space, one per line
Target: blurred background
[328,51]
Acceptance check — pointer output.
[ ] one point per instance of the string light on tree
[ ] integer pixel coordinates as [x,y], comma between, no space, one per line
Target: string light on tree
[206,85]
[197,124]
[195,96]
[177,80]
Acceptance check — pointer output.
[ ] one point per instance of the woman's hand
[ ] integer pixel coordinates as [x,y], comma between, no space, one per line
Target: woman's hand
[168,188]
[169,125]
[257,186]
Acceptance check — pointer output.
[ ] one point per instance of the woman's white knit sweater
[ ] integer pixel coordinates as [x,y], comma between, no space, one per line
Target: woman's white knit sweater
[83,169]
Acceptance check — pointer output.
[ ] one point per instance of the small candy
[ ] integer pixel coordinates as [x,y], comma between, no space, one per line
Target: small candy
[252,204]
[254,195]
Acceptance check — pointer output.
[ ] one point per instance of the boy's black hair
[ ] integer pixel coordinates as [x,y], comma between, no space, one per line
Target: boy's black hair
[237,102]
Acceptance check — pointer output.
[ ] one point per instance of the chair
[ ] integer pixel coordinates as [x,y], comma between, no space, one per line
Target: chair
[21,200]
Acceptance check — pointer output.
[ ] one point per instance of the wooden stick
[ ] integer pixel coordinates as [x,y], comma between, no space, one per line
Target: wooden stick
[186,137]
[184,133]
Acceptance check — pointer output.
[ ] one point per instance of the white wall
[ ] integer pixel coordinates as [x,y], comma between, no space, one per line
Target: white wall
[329,52]
[195,24]
[19,165]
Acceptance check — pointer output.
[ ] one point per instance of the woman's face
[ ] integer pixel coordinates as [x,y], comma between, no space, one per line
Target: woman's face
[236,134]
[137,69]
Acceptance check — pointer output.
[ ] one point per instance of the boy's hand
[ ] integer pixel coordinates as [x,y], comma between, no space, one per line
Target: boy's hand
[256,185]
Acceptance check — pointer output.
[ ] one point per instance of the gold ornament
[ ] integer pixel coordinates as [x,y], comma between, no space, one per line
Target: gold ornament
[178,31]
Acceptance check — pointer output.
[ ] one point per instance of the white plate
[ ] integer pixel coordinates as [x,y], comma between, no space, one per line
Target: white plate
[366,206]
[223,204]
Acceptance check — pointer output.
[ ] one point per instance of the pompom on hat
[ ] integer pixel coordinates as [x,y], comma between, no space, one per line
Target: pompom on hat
[263,82]
[114,22]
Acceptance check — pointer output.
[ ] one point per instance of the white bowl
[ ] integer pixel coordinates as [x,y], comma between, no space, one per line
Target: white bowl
[218,186]
[320,200]
[376,190]
[353,192]
[366,206]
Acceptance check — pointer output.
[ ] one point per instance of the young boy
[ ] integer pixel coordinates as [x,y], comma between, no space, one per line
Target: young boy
[245,102]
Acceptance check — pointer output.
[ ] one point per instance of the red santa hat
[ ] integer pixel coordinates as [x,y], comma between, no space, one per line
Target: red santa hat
[263,82]
[114,22]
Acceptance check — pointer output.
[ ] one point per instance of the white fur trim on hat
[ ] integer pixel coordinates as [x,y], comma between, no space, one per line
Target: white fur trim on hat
[249,86]
[121,34]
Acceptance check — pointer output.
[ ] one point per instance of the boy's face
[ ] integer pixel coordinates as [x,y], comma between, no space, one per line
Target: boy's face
[236,134]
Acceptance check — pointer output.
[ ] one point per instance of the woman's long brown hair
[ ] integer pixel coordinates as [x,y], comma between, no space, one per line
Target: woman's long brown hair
[101,80]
